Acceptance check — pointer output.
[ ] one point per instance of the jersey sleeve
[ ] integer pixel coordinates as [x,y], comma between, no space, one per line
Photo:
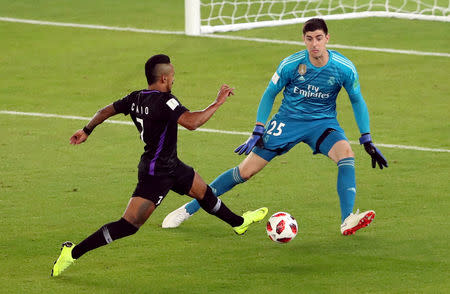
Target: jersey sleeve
[276,84]
[171,108]
[124,105]
[353,88]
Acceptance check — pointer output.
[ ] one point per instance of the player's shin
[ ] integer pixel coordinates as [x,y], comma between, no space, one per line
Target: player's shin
[213,205]
[105,235]
[222,184]
[346,185]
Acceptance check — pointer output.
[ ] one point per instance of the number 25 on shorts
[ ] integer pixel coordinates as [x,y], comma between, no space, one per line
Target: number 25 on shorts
[274,129]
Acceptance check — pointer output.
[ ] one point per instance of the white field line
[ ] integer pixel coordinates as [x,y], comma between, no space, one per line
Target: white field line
[89,26]
[50,115]
[337,46]
[218,36]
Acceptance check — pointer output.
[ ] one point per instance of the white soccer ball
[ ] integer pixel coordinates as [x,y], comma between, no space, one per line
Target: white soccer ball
[282,227]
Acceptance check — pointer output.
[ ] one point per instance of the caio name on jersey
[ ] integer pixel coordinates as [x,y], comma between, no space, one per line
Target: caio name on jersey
[139,109]
[311,91]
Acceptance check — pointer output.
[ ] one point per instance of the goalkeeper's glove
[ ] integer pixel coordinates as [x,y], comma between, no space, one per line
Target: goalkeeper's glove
[256,136]
[374,152]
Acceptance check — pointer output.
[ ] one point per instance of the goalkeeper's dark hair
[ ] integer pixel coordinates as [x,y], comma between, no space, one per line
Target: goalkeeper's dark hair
[151,64]
[314,24]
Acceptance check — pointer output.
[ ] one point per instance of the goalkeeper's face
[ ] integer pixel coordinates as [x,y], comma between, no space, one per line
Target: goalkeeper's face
[316,42]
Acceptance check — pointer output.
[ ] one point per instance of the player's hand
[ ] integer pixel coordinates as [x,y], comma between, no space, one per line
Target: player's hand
[374,152]
[224,92]
[79,137]
[257,134]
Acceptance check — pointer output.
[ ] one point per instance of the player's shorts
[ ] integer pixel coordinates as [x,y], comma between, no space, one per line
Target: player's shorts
[282,134]
[155,188]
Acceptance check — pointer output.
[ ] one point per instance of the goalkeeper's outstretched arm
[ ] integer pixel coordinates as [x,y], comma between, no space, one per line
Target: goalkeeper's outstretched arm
[362,119]
[264,109]
[266,105]
[361,112]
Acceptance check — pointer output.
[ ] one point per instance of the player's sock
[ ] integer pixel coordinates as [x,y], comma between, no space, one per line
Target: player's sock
[346,185]
[105,235]
[213,205]
[220,185]
[226,181]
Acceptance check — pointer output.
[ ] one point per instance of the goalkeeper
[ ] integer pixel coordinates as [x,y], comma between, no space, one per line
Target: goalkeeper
[311,80]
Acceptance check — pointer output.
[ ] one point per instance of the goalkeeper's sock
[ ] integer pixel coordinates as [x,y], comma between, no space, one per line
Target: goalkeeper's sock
[105,235]
[219,186]
[213,205]
[346,185]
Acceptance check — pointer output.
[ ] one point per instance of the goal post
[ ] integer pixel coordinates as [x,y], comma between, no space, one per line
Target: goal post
[210,16]
[192,20]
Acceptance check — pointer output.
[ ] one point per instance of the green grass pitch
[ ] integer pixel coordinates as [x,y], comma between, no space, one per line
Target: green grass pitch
[51,191]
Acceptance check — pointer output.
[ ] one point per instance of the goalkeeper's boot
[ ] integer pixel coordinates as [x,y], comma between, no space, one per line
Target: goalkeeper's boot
[249,218]
[357,221]
[176,217]
[64,260]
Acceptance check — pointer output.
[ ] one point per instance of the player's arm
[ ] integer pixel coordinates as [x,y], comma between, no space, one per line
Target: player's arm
[264,109]
[191,120]
[360,111]
[362,120]
[100,116]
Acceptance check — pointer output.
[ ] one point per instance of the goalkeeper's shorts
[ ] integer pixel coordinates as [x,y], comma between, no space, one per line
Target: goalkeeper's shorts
[283,134]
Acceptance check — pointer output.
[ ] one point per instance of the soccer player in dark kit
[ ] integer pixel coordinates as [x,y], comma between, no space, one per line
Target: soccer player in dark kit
[156,112]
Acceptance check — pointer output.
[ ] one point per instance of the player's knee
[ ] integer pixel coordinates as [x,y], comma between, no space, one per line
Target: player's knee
[251,165]
[136,221]
[347,152]
[350,153]
[341,150]
[198,188]
[246,172]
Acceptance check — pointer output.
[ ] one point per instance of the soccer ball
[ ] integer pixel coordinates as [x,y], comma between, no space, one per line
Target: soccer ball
[282,227]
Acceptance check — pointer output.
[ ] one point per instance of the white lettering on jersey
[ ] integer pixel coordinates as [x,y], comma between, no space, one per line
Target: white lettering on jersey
[311,92]
[275,78]
[172,103]
[139,109]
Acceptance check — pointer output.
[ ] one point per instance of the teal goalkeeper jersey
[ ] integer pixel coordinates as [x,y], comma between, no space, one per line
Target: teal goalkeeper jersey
[310,92]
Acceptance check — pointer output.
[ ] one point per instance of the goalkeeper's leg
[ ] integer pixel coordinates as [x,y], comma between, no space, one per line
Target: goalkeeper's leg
[213,205]
[222,184]
[251,165]
[342,154]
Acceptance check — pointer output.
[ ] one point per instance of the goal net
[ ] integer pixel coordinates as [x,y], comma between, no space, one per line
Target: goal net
[209,16]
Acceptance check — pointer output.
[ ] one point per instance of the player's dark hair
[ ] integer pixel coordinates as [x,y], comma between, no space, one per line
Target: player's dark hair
[151,64]
[314,24]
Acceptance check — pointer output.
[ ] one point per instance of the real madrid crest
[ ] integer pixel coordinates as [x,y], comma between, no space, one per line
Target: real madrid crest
[302,71]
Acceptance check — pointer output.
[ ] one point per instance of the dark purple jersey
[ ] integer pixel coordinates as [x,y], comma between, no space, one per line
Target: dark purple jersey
[155,115]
